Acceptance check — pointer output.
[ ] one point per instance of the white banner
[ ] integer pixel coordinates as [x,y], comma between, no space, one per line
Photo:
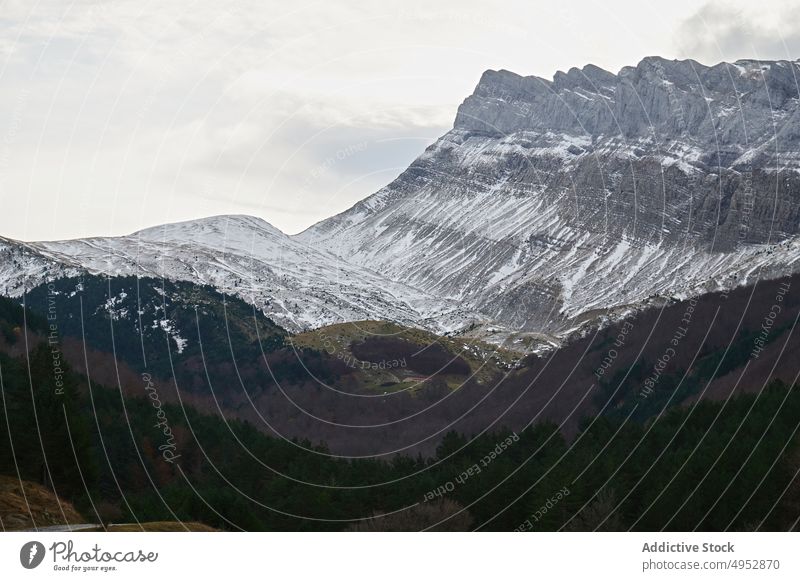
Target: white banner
[401,556]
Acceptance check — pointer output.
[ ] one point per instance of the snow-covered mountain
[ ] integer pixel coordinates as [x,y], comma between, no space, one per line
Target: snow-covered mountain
[298,286]
[549,204]
[552,201]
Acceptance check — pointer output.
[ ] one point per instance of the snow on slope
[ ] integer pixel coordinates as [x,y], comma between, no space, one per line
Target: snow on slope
[297,286]
[23,267]
[515,256]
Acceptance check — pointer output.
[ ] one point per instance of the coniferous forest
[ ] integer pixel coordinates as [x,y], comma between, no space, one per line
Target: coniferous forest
[725,465]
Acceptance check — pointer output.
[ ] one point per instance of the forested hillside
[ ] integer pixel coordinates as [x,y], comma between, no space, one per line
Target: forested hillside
[715,465]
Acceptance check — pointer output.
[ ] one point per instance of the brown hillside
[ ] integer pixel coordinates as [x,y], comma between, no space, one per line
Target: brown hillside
[25,505]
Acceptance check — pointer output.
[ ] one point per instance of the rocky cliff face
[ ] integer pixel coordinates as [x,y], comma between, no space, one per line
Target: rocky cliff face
[726,129]
[734,105]
[551,199]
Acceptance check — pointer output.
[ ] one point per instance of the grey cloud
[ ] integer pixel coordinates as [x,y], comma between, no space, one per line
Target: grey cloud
[717,32]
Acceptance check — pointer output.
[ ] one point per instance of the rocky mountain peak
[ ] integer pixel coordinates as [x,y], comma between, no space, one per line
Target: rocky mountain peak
[729,104]
[222,226]
[589,78]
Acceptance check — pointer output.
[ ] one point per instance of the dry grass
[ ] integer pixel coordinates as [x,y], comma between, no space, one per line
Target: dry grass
[485,360]
[26,505]
[158,527]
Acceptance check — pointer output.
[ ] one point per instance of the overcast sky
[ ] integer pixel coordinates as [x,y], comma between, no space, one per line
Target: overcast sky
[118,115]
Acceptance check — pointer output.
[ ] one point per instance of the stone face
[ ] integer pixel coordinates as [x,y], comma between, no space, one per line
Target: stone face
[737,124]
[551,199]
[658,100]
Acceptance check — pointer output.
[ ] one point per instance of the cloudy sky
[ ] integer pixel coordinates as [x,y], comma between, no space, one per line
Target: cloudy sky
[120,114]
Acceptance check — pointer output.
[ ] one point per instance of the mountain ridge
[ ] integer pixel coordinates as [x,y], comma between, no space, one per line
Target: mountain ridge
[553,214]
[547,202]
[298,286]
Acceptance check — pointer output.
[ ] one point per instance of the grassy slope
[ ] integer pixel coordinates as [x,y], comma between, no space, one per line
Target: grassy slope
[26,505]
[485,360]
